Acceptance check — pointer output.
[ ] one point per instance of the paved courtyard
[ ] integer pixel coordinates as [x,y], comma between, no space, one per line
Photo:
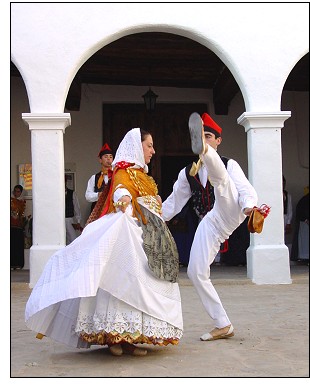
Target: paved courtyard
[271,336]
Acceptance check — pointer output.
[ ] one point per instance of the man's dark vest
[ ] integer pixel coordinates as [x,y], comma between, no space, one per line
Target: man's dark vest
[69,203]
[202,197]
[96,189]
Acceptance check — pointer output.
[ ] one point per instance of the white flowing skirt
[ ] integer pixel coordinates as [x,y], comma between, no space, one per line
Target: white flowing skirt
[101,283]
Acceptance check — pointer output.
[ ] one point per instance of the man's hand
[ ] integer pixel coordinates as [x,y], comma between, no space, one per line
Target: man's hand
[264,210]
[247,210]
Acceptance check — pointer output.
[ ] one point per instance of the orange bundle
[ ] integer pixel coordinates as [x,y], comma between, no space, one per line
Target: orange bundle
[257,218]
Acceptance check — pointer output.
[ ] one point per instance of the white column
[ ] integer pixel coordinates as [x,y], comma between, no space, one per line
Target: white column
[48,187]
[267,257]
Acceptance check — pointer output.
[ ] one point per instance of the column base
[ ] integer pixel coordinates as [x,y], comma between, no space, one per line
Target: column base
[39,256]
[269,264]
[26,256]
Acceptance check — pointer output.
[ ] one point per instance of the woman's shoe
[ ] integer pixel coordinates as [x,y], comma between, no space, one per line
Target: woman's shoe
[116,350]
[133,350]
[216,334]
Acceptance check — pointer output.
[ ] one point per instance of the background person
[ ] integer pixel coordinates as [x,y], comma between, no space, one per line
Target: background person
[98,182]
[300,246]
[17,223]
[237,245]
[182,228]
[287,210]
[73,214]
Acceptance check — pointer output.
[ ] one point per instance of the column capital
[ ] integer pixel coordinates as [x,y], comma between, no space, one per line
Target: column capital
[263,119]
[52,121]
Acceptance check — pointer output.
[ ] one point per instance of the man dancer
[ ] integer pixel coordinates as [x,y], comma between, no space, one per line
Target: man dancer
[234,199]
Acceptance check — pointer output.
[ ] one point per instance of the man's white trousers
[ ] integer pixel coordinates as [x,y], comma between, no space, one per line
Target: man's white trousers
[213,229]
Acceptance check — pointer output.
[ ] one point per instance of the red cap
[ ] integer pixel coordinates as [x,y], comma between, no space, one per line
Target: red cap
[105,149]
[210,125]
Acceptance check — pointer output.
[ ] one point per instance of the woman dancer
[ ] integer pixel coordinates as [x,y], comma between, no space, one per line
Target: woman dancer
[116,284]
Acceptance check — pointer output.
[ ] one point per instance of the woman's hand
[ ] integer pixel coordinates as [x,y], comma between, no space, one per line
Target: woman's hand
[158,197]
[122,203]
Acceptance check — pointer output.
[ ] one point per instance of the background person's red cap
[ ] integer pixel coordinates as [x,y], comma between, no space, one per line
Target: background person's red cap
[210,125]
[105,149]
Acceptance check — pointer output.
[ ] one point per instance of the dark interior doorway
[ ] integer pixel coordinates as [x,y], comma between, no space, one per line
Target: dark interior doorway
[168,125]
[170,168]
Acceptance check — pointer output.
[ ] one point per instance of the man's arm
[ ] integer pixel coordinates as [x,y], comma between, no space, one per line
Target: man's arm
[247,194]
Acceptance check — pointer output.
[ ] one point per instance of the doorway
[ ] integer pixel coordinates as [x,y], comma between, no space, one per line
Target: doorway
[168,125]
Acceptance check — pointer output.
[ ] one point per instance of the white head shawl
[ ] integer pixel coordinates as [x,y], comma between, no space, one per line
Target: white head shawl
[130,150]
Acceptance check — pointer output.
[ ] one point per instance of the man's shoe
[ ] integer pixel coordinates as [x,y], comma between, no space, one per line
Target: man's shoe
[196,131]
[216,334]
[116,350]
[133,350]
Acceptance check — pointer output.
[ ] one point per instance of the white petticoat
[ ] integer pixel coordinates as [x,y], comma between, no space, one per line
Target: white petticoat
[101,281]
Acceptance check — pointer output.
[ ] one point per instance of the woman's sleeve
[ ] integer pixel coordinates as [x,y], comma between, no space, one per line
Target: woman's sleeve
[118,193]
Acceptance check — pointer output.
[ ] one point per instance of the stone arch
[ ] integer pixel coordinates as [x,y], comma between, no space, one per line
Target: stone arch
[297,65]
[240,59]
[197,57]
[300,69]
[108,40]
[296,99]
[70,73]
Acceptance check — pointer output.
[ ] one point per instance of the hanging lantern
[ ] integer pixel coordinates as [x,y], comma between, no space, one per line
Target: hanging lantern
[150,100]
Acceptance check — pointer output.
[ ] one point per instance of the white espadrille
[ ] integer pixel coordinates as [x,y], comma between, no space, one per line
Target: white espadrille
[216,334]
[196,131]
[133,350]
[116,350]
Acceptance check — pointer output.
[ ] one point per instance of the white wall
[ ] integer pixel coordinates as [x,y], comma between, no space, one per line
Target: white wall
[260,43]
[83,139]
